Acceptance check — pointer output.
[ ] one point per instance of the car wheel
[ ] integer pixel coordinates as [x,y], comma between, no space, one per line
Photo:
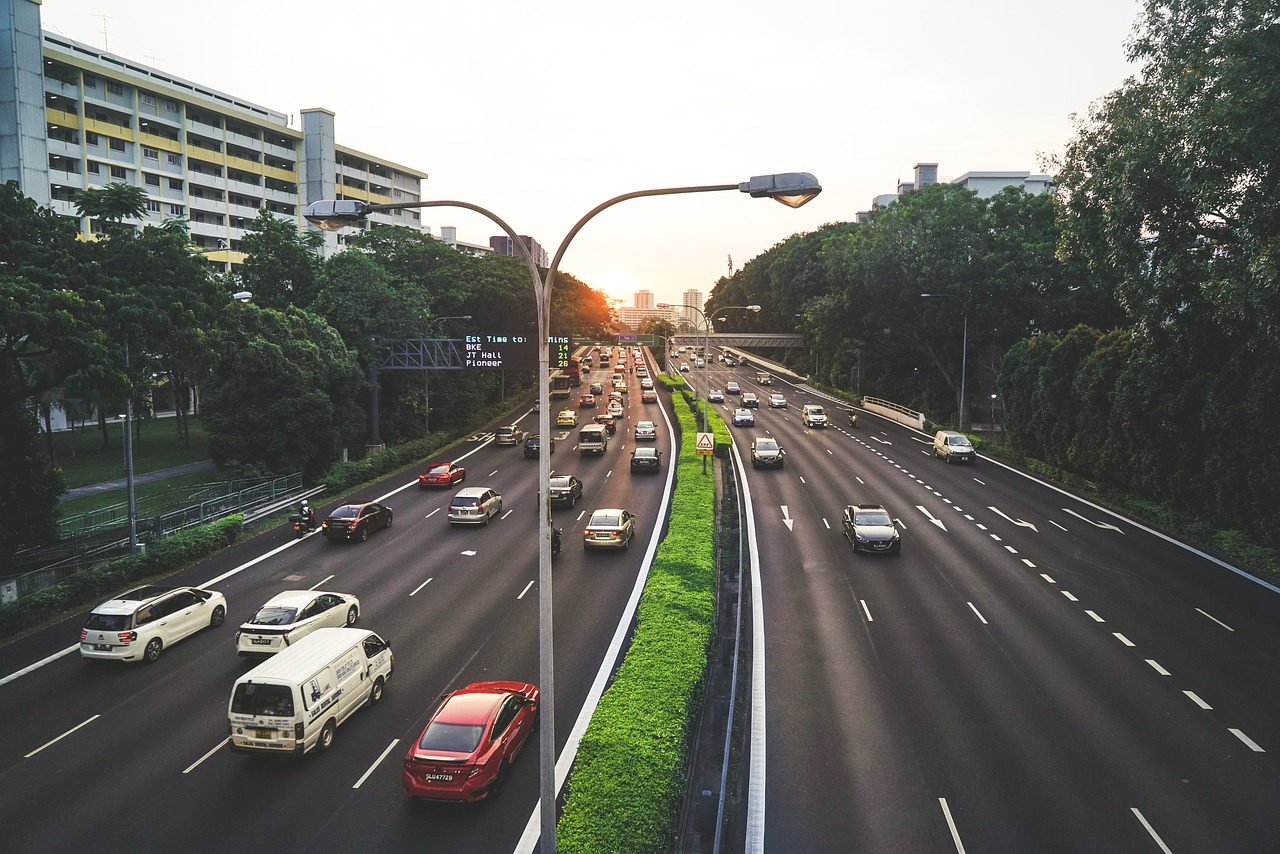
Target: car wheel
[389,519]
[215,619]
[364,534]
[375,693]
[152,652]
[463,479]
[500,782]
[326,736]
[352,615]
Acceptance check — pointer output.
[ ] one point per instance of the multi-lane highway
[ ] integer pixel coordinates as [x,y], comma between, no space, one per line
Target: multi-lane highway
[102,755]
[1031,673]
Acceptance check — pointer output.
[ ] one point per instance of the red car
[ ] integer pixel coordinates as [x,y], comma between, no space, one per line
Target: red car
[587,401]
[442,474]
[466,751]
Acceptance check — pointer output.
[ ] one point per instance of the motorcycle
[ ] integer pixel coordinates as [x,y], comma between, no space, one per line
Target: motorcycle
[853,420]
[304,522]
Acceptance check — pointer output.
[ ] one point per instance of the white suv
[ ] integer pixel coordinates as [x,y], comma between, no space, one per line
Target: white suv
[814,416]
[138,625]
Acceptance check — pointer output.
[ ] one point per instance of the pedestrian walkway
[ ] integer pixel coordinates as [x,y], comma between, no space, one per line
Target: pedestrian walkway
[111,485]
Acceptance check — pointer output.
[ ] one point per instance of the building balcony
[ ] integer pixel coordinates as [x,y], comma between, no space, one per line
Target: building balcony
[61,118]
[109,129]
[66,149]
[253,143]
[66,178]
[211,131]
[283,152]
[66,90]
[195,152]
[206,180]
[244,165]
[162,143]
[243,211]
[280,196]
[290,175]
[64,208]
[244,188]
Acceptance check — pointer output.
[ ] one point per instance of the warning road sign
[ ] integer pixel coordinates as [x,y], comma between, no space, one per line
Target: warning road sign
[706,443]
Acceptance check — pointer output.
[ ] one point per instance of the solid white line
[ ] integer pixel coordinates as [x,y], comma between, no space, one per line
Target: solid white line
[1157,667]
[955,834]
[1096,617]
[420,586]
[1253,745]
[1069,595]
[1048,578]
[1056,525]
[376,763]
[197,763]
[508,513]
[1216,620]
[61,737]
[1151,830]
[526,588]
[432,513]
[866,610]
[1196,699]
[1124,640]
[41,663]
[318,583]
[973,608]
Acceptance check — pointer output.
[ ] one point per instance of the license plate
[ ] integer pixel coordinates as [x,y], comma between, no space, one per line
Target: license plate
[260,641]
[102,647]
[263,733]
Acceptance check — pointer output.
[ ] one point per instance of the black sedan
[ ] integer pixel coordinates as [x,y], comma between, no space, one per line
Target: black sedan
[646,459]
[565,487]
[356,521]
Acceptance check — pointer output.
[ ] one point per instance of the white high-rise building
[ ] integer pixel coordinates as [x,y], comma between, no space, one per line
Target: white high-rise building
[644,299]
[692,298]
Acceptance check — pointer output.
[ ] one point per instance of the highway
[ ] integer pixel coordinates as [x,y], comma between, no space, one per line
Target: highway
[1031,673]
[105,755]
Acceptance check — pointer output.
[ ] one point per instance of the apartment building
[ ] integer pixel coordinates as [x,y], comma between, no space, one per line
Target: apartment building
[73,117]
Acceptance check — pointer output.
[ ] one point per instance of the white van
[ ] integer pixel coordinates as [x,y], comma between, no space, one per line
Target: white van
[814,416]
[593,439]
[293,703]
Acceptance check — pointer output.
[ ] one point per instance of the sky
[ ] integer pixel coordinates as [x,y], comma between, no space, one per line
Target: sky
[541,111]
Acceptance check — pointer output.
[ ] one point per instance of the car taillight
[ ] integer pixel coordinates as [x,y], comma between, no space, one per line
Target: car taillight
[587,532]
[84,633]
[476,770]
[127,637]
[298,732]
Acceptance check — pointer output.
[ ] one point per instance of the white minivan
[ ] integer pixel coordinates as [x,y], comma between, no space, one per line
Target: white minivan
[293,703]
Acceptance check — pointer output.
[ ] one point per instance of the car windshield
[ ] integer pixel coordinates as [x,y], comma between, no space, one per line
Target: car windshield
[872,517]
[960,441]
[451,738]
[605,520]
[347,511]
[441,468]
[251,698]
[766,445]
[506,431]
[107,622]
[465,501]
[561,482]
[274,615]
[651,453]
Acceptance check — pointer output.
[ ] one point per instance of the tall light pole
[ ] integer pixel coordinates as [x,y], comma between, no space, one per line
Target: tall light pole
[962,414]
[791,188]
[426,372]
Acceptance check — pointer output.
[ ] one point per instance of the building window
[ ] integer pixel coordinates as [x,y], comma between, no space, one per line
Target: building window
[116,144]
[90,82]
[150,153]
[147,100]
[151,180]
[170,105]
[153,206]
[115,89]
[175,184]
[94,167]
[91,138]
[175,210]
[118,172]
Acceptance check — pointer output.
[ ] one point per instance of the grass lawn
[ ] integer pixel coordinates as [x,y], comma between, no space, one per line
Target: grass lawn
[156,496]
[156,445]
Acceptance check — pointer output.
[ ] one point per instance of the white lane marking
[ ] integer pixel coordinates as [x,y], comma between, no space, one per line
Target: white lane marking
[432,513]
[802,480]
[935,520]
[1047,578]
[955,834]
[492,473]
[526,588]
[1103,525]
[49,659]
[609,473]
[376,763]
[786,518]
[946,501]
[859,480]
[61,737]
[1196,699]
[1097,618]
[956,508]
[1070,596]
[1253,745]
[318,583]
[983,482]
[581,513]
[967,516]
[1028,563]
[194,765]
[829,452]
[468,552]
[882,441]
[1011,550]
[826,523]
[1022,523]
[1151,830]
[975,610]
[1157,667]
[1124,640]
[866,610]
[420,586]
[981,527]
[996,537]
[1056,525]
[1216,620]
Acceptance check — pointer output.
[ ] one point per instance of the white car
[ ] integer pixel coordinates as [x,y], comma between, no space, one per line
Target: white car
[288,617]
[614,409]
[715,395]
[138,625]
[777,401]
[646,384]
[684,367]
[646,431]
[474,505]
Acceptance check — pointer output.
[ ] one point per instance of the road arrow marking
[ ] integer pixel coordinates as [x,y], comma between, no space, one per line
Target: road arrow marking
[882,441]
[1091,522]
[935,520]
[1018,522]
[786,517]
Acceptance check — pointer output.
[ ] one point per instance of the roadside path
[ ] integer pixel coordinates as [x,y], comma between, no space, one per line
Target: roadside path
[160,474]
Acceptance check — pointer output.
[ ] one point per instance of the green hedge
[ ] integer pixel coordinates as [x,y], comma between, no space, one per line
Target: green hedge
[166,556]
[628,782]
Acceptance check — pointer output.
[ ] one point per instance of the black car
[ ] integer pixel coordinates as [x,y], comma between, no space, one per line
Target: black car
[531,443]
[356,521]
[646,459]
[750,400]
[869,528]
[565,487]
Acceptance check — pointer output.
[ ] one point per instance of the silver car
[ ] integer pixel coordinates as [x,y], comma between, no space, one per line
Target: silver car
[645,431]
[288,617]
[474,505]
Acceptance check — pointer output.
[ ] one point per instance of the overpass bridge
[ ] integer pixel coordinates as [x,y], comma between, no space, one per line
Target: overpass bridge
[750,340]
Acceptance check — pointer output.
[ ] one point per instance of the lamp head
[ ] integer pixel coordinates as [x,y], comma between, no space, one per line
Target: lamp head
[793,189]
[335,215]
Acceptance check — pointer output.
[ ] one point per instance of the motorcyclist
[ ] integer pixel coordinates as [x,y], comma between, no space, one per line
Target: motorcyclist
[308,513]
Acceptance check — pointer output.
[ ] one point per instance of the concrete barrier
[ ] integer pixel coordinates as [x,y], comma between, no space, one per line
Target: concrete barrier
[897,412]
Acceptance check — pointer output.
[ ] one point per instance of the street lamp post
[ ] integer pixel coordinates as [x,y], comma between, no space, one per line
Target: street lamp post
[964,354]
[426,373]
[791,188]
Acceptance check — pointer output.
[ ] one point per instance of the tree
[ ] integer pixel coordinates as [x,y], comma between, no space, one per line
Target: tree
[281,263]
[112,205]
